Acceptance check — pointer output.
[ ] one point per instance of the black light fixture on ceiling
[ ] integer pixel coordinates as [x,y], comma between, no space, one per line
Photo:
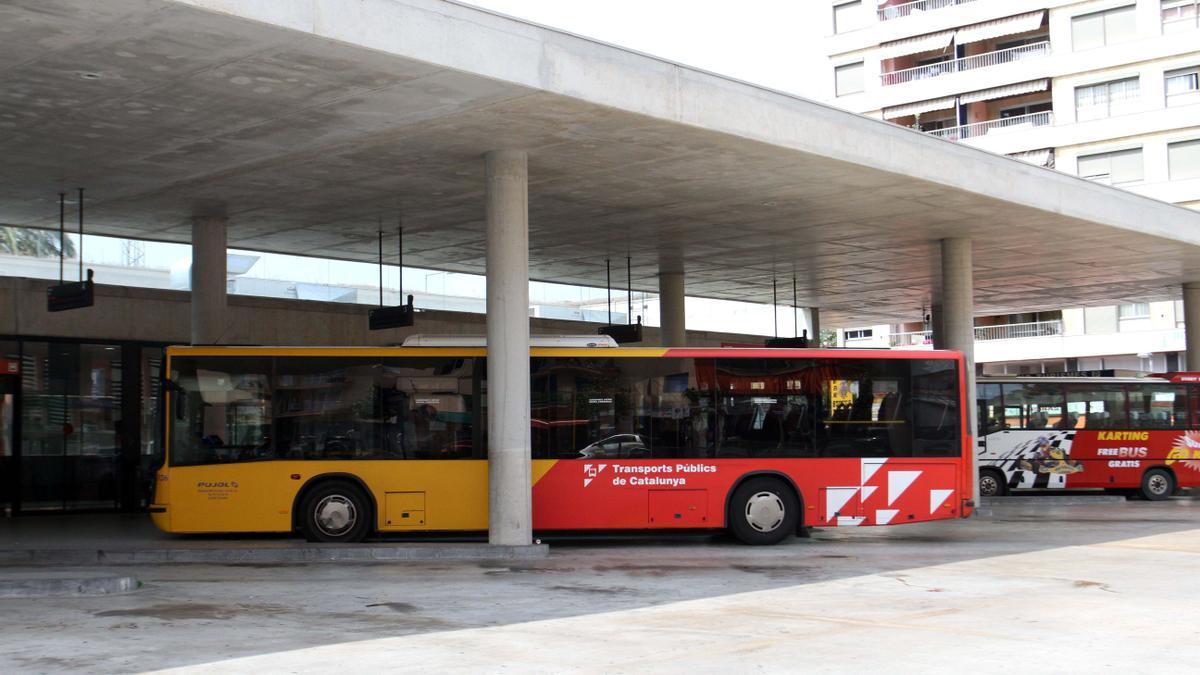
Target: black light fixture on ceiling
[400,316]
[80,293]
[629,331]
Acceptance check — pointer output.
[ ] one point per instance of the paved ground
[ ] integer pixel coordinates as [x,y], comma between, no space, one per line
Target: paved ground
[1041,585]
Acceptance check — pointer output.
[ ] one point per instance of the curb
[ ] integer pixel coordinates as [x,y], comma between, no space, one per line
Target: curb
[273,556]
[1056,500]
[43,588]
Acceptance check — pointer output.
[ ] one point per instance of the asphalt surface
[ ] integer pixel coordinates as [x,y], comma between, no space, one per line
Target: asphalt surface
[1030,574]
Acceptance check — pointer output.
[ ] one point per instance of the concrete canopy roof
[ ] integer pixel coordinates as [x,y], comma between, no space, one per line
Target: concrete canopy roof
[306,121]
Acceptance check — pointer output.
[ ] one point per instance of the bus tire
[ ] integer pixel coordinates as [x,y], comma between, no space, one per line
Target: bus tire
[763,510]
[992,483]
[335,511]
[1157,484]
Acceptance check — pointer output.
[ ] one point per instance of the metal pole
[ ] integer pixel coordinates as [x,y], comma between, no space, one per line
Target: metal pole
[400,256]
[795,312]
[81,234]
[608,286]
[62,233]
[629,288]
[774,307]
[381,261]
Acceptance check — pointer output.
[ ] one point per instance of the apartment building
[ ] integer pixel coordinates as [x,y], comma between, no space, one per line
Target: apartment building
[1108,90]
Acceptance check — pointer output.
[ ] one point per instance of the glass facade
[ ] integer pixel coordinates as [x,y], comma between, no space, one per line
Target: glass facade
[78,424]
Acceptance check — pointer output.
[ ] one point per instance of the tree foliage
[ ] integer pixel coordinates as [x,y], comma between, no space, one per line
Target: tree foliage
[28,241]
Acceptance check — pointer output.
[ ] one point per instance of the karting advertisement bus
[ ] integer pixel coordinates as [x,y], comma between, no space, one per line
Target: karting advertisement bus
[344,443]
[1136,435]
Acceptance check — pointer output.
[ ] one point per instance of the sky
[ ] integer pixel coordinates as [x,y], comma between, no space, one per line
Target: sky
[774,43]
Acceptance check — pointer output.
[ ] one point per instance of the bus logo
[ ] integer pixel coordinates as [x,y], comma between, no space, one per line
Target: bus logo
[1186,451]
[590,471]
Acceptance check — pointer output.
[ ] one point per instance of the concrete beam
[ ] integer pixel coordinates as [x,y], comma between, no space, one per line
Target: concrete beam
[510,504]
[210,320]
[671,309]
[956,330]
[1191,322]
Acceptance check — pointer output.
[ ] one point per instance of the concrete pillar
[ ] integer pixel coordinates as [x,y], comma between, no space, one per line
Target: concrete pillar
[957,326]
[814,327]
[510,517]
[1191,324]
[671,309]
[210,318]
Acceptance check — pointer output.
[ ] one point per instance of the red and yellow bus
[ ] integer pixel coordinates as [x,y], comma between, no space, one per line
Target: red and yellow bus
[1138,435]
[345,443]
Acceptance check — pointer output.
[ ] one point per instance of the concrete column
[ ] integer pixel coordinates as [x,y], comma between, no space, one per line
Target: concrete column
[210,318]
[814,327]
[671,309]
[510,518]
[957,326]
[1191,324]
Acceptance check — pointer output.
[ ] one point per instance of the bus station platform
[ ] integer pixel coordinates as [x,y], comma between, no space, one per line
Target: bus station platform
[131,539]
[1101,577]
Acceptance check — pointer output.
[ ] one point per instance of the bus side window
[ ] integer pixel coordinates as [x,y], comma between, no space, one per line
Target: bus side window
[935,408]
[1158,406]
[991,409]
[1033,405]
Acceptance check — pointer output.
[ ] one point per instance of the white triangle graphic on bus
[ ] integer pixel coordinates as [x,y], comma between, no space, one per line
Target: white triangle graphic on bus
[589,474]
[898,482]
[936,497]
[869,467]
[884,516]
[836,498]
[867,491]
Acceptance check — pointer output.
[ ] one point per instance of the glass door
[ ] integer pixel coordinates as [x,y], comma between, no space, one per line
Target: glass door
[9,387]
[71,408]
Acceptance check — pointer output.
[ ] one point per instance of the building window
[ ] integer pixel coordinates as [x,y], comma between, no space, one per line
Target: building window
[1180,15]
[849,78]
[1021,42]
[861,334]
[1183,86]
[1112,168]
[1106,99]
[1098,29]
[1027,109]
[1183,158]
[936,124]
[1134,310]
[848,16]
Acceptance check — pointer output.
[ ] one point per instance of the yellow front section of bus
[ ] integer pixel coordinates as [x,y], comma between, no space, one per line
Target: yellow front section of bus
[409,495]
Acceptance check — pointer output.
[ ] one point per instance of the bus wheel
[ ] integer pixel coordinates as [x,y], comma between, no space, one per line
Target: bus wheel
[991,483]
[763,510]
[336,511]
[1157,485]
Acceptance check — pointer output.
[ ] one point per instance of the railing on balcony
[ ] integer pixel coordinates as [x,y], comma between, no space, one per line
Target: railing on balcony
[1035,50]
[1008,331]
[1013,331]
[911,339]
[1002,125]
[910,8]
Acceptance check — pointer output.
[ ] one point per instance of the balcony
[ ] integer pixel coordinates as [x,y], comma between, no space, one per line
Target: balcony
[1016,331]
[1010,331]
[1002,125]
[917,7]
[1035,50]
